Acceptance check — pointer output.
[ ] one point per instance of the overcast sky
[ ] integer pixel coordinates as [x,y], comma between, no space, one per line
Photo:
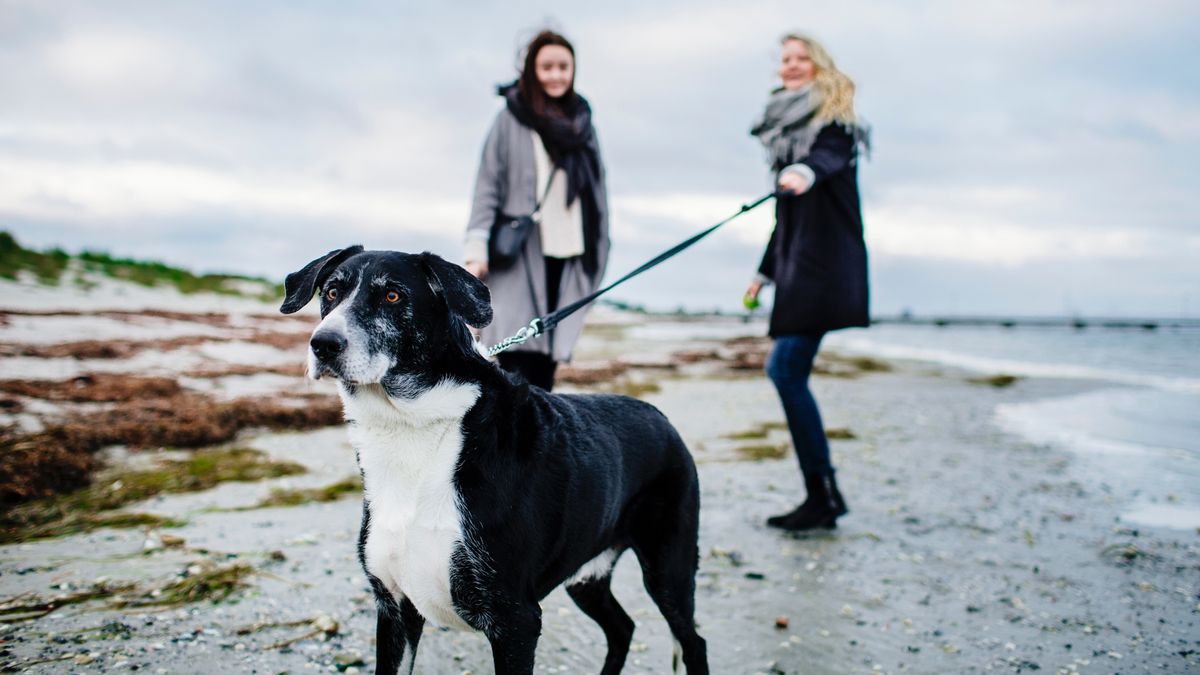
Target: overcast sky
[1030,157]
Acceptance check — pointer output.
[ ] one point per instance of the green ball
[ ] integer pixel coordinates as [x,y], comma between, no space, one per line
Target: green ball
[750,302]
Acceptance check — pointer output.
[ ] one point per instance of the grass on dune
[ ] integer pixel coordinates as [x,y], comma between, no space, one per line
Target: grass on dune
[49,266]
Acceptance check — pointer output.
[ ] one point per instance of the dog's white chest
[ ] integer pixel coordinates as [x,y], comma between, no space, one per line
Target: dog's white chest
[410,541]
[415,522]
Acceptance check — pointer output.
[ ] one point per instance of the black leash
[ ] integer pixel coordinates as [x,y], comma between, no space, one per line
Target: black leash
[541,324]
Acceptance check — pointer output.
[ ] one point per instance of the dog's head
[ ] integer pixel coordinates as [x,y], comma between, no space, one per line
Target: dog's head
[387,317]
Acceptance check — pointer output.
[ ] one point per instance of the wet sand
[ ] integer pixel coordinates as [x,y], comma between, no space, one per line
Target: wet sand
[966,549]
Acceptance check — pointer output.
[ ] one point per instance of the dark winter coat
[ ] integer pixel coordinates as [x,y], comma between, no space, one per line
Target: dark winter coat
[817,258]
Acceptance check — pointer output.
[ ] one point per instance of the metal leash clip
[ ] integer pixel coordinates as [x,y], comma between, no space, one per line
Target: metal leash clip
[525,333]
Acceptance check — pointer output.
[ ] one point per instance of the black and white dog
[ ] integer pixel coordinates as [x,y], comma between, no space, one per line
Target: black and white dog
[482,493]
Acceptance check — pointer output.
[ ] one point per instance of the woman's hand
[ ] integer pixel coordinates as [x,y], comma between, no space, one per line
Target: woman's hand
[477,268]
[792,182]
[750,299]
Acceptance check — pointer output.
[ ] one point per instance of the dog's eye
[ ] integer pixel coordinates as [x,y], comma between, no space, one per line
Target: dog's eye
[392,297]
[331,293]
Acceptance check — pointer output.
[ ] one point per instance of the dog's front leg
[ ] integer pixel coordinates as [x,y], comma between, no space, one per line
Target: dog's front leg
[397,631]
[514,635]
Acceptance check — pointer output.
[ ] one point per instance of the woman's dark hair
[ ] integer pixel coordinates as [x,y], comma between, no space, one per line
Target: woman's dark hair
[528,85]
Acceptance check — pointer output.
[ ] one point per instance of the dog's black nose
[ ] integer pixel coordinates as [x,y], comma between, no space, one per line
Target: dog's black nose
[327,344]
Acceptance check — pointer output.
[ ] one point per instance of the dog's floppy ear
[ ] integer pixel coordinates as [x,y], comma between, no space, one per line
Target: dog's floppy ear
[465,295]
[299,286]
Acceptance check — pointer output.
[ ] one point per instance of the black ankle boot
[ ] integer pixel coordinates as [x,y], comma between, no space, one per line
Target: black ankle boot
[838,502]
[820,510]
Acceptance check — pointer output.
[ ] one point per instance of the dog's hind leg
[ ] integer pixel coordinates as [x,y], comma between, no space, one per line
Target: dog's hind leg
[594,596]
[669,576]
[667,550]
[397,632]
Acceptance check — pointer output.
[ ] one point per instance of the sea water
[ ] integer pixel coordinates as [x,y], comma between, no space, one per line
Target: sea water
[1138,423]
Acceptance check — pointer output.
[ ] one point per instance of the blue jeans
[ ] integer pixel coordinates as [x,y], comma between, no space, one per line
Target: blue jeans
[789,367]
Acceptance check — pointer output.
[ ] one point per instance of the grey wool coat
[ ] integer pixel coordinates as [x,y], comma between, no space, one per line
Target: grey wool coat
[507,183]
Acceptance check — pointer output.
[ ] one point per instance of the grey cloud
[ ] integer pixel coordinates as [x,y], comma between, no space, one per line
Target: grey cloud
[1082,108]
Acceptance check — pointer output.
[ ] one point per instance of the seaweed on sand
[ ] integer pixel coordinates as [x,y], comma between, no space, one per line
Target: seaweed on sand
[200,582]
[593,374]
[762,431]
[765,451]
[96,506]
[29,606]
[833,364]
[94,387]
[60,457]
[998,381]
[298,497]
[203,581]
[634,388]
[759,432]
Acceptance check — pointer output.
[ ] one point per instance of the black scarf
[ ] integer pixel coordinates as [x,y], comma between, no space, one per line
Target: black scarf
[568,137]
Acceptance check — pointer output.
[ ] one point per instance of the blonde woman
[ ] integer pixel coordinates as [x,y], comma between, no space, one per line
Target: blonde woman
[816,258]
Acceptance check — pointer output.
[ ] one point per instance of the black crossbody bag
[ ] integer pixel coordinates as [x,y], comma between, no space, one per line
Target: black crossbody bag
[509,233]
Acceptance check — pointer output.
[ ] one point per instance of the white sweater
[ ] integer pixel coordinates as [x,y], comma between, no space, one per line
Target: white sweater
[561,226]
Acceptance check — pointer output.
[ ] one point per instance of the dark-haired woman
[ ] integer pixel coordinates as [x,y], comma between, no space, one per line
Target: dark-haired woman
[816,259]
[541,157]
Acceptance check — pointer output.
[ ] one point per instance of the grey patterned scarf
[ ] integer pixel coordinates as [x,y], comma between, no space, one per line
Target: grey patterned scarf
[789,125]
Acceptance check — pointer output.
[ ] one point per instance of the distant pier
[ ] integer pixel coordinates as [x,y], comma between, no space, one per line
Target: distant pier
[1077,323]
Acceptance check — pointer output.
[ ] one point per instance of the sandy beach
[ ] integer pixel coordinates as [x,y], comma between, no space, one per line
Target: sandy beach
[967,548]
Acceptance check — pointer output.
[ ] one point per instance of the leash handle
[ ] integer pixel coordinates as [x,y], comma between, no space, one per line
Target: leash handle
[540,325]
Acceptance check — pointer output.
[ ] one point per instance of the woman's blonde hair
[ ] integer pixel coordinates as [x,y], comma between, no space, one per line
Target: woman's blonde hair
[835,87]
